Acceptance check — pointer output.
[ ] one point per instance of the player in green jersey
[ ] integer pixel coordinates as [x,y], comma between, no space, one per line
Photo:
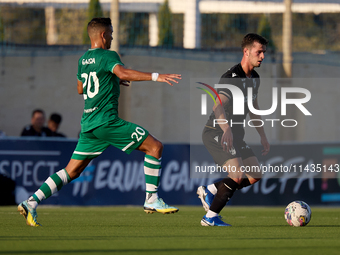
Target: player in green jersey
[100,72]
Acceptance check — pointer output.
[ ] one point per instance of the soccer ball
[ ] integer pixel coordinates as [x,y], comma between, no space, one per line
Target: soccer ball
[298,213]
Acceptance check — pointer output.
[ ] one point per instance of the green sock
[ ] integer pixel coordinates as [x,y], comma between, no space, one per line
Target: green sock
[52,185]
[152,168]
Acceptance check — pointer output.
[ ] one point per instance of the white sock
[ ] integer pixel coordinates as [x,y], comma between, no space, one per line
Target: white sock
[212,188]
[51,186]
[32,203]
[211,214]
[152,171]
[151,197]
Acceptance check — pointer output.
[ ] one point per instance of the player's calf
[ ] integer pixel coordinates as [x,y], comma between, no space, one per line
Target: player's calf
[224,192]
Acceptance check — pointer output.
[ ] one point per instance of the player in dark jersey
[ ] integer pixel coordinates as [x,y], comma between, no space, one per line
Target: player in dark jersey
[100,72]
[224,132]
[37,127]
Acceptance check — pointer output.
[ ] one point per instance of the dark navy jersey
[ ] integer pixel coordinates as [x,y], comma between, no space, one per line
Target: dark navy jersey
[30,131]
[237,77]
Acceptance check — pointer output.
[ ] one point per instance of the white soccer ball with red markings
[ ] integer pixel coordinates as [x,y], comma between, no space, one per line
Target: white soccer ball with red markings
[298,214]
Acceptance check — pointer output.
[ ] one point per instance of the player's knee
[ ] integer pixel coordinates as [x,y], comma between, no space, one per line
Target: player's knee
[256,175]
[237,180]
[157,149]
[254,180]
[236,176]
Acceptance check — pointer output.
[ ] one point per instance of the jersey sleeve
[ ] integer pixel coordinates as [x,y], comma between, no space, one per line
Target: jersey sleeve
[112,59]
[79,71]
[228,78]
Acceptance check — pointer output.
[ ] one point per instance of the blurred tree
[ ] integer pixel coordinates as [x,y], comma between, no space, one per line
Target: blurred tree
[330,25]
[223,30]
[23,25]
[178,26]
[138,30]
[134,29]
[70,34]
[166,36]
[125,22]
[265,30]
[2,28]
[94,11]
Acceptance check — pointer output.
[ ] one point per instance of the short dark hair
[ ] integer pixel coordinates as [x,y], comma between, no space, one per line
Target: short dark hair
[38,111]
[250,38]
[98,23]
[56,118]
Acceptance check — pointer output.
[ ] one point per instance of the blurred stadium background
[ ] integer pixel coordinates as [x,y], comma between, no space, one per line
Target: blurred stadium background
[41,41]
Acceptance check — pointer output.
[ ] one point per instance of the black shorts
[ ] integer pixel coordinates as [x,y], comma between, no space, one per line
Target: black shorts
[212,141]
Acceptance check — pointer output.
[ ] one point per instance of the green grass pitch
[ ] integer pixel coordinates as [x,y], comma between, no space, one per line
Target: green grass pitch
[128,230]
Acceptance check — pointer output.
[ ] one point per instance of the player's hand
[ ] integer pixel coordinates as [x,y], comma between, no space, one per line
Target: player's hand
[266,146]
[227,140]
[169,78]
[124,83]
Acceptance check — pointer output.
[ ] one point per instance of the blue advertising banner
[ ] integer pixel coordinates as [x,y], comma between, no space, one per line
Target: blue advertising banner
[115,178]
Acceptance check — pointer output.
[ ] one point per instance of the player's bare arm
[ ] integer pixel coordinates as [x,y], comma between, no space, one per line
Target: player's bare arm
[133,75]
[80,87]
[260,130]
[227,137]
